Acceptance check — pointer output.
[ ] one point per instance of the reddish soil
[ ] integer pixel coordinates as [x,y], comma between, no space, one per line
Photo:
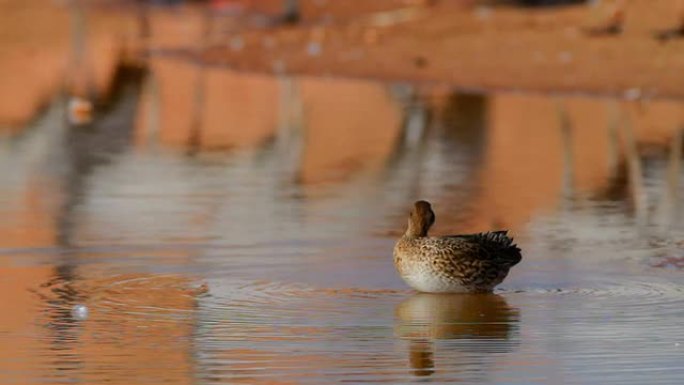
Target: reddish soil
[482,48]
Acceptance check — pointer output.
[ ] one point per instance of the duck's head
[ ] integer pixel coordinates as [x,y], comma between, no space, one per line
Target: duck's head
[420,220]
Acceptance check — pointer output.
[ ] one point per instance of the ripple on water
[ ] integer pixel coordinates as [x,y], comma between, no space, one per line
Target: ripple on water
[291,304]
[287,331]
[296,333]
[617,327]
[620,292]
[150,295]
[245,330]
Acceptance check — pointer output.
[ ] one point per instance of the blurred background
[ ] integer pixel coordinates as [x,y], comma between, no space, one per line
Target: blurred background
[209,191]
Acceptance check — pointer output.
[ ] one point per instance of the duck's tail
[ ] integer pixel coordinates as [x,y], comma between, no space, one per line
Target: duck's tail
[497,245]
[507,251]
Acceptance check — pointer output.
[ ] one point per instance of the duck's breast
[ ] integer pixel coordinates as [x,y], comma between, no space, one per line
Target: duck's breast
[426,280]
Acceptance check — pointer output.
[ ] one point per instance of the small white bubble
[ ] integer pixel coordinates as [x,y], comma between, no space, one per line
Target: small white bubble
[677,344]
[79,312]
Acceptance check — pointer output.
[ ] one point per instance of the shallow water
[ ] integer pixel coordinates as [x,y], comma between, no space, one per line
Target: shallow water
[233,228]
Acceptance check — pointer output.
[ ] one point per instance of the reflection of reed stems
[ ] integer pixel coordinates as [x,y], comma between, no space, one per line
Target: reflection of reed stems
[415,124]
[634,171]
[198,100]
[671,199]
[194,139]
[291,125]
[613,138]
[415,119]
[566,142]
[291,111]
[153,112]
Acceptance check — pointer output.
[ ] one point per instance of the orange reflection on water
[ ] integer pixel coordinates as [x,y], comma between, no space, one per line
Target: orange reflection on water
[209,108]
[133,331]
[32,221]
[349,126]
[541,149]
[47,48]
[18,361]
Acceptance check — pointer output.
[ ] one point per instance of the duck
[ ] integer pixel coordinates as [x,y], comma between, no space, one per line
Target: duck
[469,263]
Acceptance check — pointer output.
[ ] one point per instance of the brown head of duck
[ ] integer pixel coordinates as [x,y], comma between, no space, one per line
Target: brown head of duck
[420,220]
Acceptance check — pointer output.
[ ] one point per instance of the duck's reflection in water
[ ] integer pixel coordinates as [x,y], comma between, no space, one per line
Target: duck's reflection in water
[482,324]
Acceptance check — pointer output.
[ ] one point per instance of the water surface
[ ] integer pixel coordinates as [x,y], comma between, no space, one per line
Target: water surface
[237,228]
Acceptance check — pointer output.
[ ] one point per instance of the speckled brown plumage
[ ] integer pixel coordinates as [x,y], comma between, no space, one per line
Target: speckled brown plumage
[456,263]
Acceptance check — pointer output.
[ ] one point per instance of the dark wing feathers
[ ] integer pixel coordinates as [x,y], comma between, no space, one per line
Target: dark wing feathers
[493,245]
